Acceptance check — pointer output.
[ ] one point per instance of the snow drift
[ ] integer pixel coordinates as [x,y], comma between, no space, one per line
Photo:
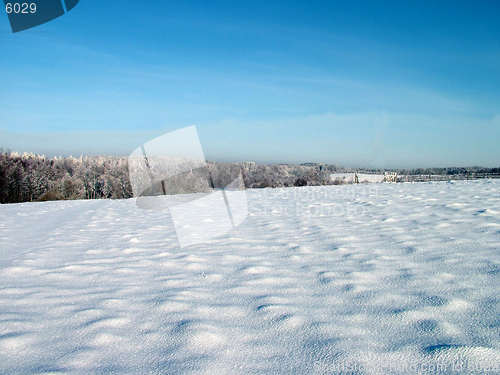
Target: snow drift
[385,279]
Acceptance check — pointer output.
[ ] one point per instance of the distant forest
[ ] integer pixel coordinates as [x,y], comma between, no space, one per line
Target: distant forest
[29,177]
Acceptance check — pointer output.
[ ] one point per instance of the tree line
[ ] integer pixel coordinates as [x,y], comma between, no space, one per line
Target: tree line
[29,177]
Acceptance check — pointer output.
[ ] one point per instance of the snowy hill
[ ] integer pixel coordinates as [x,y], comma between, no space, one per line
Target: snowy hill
[385,279]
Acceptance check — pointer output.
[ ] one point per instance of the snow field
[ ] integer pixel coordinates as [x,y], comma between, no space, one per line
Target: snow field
[334,279]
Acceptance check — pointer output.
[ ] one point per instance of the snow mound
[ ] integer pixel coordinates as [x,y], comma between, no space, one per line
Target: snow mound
[386,279]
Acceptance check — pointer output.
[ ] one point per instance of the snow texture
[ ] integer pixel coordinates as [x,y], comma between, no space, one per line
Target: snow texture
[358,279]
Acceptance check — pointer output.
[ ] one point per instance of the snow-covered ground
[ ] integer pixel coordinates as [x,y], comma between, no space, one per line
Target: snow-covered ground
[365,279]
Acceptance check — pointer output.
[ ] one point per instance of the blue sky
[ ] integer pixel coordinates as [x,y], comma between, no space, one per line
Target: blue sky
[372,84]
